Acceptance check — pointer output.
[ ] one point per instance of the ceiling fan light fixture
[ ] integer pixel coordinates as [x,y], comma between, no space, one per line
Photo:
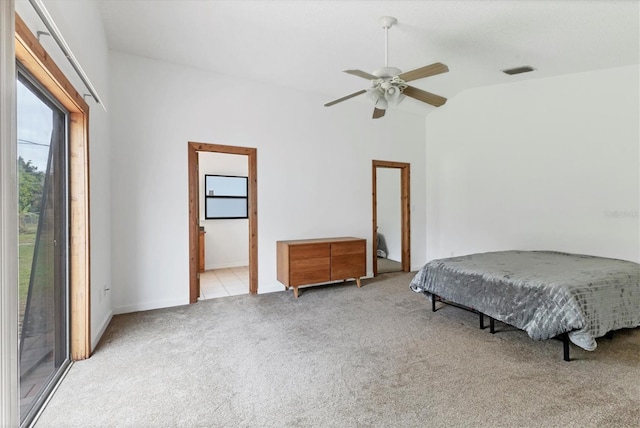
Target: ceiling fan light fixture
[374,94]
[382,103]
[392,95]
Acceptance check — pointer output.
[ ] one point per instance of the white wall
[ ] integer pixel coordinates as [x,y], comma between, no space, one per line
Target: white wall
[389,217]
[81,26]
[314,168]
[542,164]
[226,241]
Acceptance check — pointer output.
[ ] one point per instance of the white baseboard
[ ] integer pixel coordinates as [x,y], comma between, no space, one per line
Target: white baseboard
[103,328]
[147,306]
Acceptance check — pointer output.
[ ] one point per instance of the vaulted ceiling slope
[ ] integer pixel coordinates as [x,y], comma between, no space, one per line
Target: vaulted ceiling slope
[305,45]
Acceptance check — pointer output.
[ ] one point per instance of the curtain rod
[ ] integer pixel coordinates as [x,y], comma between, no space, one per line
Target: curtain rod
[46,18]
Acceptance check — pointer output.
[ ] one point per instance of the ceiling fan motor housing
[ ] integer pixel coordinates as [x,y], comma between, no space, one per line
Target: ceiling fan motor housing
[387,72]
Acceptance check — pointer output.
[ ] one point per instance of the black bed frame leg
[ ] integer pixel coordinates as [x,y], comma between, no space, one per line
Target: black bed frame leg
[433,303]
[565,346]
[481,321]
[492,325]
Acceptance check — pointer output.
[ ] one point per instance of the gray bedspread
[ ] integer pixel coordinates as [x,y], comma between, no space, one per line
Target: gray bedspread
[545,293]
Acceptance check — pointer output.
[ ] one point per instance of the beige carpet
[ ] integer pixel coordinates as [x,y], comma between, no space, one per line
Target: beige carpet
[340,356]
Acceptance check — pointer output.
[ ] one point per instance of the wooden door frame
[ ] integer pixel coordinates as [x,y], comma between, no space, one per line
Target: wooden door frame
[405,204]
[194,211]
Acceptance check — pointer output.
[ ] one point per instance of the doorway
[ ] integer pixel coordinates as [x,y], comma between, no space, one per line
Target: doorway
[387,169]
[224,225]
[194,212]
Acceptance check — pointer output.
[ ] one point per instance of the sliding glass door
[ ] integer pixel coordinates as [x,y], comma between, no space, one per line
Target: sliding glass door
[43,243]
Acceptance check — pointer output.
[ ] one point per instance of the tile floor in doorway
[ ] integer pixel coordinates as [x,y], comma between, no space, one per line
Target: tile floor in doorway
[229,282]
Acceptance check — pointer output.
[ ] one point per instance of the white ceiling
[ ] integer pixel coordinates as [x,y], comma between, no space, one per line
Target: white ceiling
[305,45]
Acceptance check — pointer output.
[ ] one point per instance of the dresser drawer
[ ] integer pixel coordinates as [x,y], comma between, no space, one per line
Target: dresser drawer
[309,251]
[348,260]
[310,271]
[345,248]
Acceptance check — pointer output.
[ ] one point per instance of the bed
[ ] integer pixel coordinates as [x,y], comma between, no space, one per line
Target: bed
[548,294]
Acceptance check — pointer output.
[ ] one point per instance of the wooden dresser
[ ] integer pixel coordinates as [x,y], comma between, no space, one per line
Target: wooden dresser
[312,261]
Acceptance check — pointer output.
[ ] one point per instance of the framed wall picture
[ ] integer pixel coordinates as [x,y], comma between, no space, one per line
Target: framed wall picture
[226,197]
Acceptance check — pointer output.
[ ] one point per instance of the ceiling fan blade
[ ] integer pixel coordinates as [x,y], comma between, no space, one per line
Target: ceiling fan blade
[424,96]
[339,100]
[426,71]
[378,113]
[362,74]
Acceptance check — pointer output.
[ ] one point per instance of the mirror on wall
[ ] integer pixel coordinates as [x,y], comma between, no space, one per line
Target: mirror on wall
[389,220]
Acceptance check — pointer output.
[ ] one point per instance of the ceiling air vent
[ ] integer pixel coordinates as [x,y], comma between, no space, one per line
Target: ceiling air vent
[518,70]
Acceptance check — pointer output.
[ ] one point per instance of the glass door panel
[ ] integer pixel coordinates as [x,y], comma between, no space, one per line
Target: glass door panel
[43,243]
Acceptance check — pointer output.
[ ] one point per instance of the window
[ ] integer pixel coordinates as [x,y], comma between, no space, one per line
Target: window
[225,197]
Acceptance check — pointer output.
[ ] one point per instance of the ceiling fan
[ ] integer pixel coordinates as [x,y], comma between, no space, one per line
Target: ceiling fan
[389,84]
